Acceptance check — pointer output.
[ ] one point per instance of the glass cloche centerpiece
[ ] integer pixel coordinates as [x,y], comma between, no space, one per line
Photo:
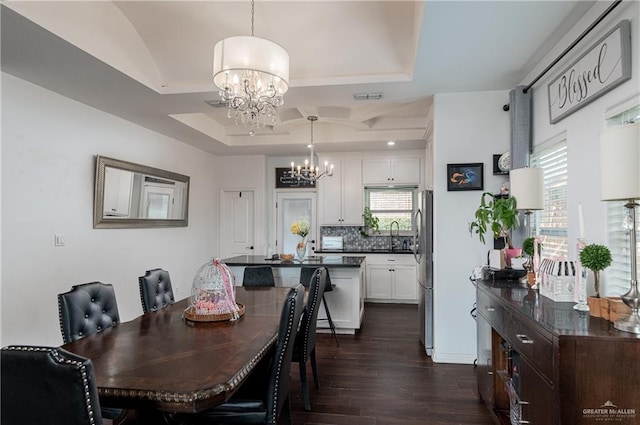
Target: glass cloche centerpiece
[213,294]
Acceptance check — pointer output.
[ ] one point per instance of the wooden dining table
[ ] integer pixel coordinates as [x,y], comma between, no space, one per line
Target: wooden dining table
[162,362]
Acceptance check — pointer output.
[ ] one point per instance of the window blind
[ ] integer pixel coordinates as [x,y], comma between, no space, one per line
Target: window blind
[392,204]
[552,223]
[619,272]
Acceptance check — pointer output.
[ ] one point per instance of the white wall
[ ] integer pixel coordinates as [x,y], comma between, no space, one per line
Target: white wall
[49,145]
[583,127]
[468,127]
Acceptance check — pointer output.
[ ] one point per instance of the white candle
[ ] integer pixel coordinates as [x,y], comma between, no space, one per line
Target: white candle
[581,221]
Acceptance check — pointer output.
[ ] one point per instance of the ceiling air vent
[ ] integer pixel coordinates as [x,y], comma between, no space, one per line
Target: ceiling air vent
[367,96]
[216,103]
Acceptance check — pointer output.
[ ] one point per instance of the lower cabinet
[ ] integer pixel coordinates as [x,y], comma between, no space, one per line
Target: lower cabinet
[392,278]
[541,362]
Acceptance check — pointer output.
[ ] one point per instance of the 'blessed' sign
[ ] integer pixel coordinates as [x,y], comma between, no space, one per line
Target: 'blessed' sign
[604,66]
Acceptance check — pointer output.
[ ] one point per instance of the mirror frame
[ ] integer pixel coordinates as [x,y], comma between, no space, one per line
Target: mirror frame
[101,222]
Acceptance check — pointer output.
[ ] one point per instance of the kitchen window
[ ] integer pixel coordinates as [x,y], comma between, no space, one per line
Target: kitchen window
[392,204]
[551,224]
[618,226]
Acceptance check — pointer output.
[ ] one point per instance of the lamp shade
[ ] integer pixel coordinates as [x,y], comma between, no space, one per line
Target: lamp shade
[620,163]
[527,186]
[234,56]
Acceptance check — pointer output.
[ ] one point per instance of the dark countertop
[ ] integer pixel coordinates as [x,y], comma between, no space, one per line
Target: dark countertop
[559,318]
[314,260]
[364,251]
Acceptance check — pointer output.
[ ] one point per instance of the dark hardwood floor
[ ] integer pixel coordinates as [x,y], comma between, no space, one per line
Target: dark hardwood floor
[381,376]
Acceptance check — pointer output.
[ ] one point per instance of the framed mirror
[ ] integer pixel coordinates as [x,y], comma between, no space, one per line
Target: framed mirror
[129,195]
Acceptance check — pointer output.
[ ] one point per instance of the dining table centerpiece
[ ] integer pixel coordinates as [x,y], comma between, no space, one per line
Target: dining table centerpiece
[301,228]
[213,294]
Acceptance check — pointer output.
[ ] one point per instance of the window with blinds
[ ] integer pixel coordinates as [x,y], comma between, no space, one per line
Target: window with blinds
[618,226]
[392,204]
[551,224]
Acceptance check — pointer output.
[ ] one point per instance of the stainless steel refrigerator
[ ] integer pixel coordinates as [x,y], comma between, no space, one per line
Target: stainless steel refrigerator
[423,253]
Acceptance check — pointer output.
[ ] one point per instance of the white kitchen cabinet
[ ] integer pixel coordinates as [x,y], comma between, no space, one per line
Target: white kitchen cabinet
[391,171]
[341,196]
[117,192]
[392,278]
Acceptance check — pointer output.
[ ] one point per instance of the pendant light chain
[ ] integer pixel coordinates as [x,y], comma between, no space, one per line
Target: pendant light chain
[252,12]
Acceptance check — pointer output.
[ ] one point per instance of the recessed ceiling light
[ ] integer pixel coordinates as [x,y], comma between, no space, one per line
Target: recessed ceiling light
[391,143]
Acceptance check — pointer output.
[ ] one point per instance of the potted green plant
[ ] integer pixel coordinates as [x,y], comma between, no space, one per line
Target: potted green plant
[528,249]
[596,258]
[497,215]
[371,223]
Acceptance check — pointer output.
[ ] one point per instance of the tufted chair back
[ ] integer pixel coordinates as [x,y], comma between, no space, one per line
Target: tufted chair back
[87,309]
[43,385]
[278,392]
[306,339]
[155,290]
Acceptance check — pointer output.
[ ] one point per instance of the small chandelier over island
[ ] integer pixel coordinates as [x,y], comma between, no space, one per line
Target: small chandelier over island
[309,172]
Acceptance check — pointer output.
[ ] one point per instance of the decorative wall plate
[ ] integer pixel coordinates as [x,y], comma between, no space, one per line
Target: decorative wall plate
[504,163]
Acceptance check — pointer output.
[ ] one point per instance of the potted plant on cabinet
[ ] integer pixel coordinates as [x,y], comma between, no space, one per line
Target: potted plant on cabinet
[498,215]
[528,249]
[596,258]
[371,223]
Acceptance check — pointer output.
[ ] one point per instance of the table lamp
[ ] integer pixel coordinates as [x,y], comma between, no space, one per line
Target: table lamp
[527,186]
[620,180]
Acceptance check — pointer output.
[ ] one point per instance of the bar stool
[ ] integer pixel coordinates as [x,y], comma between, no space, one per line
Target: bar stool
[306,273]
[258,276]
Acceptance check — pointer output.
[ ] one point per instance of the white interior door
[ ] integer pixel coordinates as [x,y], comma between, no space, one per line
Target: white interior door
[291,207]
[237,223]
[157,202]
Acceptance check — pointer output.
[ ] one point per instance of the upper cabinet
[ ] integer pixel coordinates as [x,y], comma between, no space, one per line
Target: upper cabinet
[117,193]
[341,196]
[385,171]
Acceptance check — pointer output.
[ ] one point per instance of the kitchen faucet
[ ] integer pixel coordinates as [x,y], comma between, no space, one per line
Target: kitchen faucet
[391,243]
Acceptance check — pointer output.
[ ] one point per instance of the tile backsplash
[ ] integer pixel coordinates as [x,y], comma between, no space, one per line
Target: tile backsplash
[353,240]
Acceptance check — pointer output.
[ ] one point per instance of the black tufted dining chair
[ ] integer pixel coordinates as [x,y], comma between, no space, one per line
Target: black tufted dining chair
[305,345]
[45,385]
[86,309]
[255,276]
[263,401]
[155,290]
[305,277]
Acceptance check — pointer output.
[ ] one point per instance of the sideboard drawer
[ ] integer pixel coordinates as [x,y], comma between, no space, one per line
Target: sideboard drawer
[492,311]
[532,345]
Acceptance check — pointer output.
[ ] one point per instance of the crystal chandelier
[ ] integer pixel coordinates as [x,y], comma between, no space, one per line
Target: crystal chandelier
[252,74]
[309,172]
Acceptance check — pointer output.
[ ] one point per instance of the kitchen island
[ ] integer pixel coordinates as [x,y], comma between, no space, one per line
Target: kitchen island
[346,301]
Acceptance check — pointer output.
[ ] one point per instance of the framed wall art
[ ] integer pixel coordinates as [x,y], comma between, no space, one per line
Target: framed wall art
[468,176]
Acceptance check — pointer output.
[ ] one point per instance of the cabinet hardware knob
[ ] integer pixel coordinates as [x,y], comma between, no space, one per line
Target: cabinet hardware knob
[490,372]
[249,247]
[524,339]
[489,308]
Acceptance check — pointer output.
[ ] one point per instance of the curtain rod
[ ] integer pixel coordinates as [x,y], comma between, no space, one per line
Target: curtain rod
[572,45]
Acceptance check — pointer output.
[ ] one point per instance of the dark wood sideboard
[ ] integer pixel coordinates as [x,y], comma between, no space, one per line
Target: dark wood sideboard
[541,362]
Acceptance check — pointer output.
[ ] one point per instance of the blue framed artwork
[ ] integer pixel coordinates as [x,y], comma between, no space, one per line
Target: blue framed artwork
[465,176]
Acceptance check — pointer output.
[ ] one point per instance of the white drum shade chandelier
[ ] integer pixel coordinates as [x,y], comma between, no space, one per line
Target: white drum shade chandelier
[252,74]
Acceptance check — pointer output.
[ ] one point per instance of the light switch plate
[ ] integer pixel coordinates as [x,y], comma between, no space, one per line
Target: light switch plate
[59,239]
